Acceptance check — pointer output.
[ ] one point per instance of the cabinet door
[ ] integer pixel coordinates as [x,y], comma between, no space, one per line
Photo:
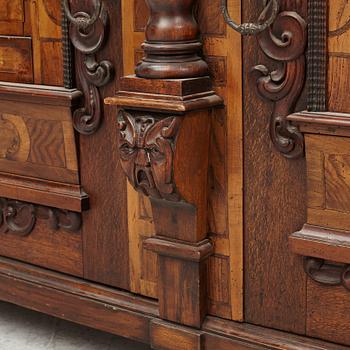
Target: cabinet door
[46,154]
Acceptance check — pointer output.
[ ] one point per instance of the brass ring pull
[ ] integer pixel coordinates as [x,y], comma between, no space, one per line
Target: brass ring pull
[252,28]
[82,22]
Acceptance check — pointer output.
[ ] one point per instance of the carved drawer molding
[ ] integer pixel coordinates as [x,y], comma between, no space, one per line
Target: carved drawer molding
[38,155]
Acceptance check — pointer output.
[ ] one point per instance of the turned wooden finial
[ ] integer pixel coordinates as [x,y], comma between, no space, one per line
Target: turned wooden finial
[172,43]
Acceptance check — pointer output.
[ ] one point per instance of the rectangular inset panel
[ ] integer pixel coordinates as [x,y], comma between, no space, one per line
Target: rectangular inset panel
[328,181]
[12,10]
[16,62]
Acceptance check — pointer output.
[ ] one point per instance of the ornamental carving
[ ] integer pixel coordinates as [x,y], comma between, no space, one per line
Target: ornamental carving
[146,146]
[88,34]
[327,273]
[285,43]
[19,218]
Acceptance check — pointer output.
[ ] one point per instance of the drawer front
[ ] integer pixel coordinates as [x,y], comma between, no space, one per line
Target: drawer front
[41,235]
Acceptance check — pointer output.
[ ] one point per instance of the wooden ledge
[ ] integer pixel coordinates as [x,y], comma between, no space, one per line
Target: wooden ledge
[43,192]
[320,242]
[328,123]
[185,251]
[167,95]
[40,94]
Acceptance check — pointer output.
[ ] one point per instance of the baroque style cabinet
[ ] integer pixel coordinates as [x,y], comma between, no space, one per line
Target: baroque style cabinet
[177,172]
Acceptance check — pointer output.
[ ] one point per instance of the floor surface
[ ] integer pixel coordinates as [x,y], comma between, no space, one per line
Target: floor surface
[22,329]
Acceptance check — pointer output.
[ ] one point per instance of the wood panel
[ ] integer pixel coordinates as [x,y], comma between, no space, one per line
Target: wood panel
[105,234]
[140,218]
[221,48]
[47,45]
[34,54]
[16,61]
[328,181]
[38,138]
[15,18]
[275,204]
[12,10]
[339,56]
[56,250]
[328,313]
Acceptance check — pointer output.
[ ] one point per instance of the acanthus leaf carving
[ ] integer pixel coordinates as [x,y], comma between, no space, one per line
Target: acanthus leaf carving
[146,146]
[285,42]
[19,218]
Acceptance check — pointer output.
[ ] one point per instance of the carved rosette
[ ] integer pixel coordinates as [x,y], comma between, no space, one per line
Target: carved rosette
[146,146]
[329,274]
[19,218]
[88,34]
[284,42]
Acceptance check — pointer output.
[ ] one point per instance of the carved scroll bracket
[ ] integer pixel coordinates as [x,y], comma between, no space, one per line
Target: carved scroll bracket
[284,42]
[19,218]
[88,34]
[283,38]
[326,273]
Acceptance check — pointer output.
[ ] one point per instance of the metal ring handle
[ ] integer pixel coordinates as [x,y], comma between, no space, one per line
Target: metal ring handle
[82,22]
[252,28]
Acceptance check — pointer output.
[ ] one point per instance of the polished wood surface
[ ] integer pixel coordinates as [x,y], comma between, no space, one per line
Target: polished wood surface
[275,205]
[225,212]
[134,317]
[217,217]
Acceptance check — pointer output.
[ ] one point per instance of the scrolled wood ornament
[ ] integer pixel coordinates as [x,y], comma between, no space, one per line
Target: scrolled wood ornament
[284,42]
[327,273]
[88,34]
[19,218]
[146,147]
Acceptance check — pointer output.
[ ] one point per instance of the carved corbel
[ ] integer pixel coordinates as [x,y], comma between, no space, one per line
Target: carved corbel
[88,34]
[146,145]
[164,127]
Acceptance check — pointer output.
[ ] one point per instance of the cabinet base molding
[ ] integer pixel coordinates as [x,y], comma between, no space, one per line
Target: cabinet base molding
[133,317]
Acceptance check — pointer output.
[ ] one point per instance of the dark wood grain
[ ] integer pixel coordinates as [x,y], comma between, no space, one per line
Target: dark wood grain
[275,205]
[105,232]
[133,317]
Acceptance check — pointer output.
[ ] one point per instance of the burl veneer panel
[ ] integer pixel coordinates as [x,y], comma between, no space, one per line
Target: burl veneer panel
[275,205]
[222,51]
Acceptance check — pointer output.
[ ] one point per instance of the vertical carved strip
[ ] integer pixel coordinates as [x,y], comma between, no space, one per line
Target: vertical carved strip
[317,55]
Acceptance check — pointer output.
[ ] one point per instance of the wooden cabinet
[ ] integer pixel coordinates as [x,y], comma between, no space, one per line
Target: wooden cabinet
[171,181]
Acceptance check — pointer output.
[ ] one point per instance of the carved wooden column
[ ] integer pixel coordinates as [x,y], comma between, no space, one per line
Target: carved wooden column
[164,122]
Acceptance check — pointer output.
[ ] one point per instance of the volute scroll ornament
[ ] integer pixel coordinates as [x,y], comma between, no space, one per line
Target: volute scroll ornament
[283,38]
[88,34]
[146,146]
